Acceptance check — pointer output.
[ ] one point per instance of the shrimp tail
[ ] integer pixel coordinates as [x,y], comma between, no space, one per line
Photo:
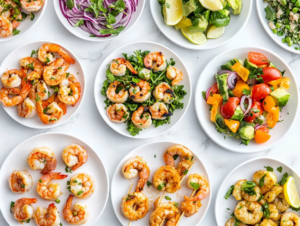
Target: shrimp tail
[69,202]
[29,200]
[50,165]
[57,176]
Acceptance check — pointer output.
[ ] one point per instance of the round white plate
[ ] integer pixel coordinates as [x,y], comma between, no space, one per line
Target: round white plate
[27,24]
[235,26]
[245,171]
[85,35]
[12,62]
[17,160]
[153,154]
[206,80]
[260,6]
[153,47]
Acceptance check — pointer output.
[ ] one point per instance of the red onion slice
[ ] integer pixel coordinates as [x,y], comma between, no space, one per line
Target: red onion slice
[207,93]
[243,99]
[257,127]
[232,77]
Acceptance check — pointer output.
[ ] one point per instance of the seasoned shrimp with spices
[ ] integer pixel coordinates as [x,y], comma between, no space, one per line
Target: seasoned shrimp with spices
[12,78]
[39,91]
[271,195]
[237,191]
[136,166]
[145,74]
[19,95]
[190,207]
[74,156]
[290,219]
[232,222]
[166,178]
[281,203]
[269,179]
[47,216]
[175,75]
[274,213]
[114,96]
[49,113]
[165,211]
[118,67]
[23,210]
[135,206]
[248,212]
[141,118]
[6,28]
[54,73]
[27,108]
[20,181]
[76,216]
[268,222]
[253,195]
[140,91]
[70,95]
[46,56]
[164,92]
[201,181]
[42,158]
[32,5]
[82,185]
[117,113]
[159,111]
[155,61]
[32,68]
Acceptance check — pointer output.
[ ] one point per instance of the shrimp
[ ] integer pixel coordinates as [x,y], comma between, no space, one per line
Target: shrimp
[16,17]
[42,158]
[135,206]
[12,78]
[27,109]
[232,222]
[164,92]
[175,75]
[22,210]
[159,111]
[47,190]
[79,214]
[141,118]
[271,195]
[51,113]
[47,216]
[140,91]
[136,166]
[82,185]
[39,91]
[118,67]
[74,156]
[253,196]
[70,95]
[145,74]
[281,203]
[268,222]
[190,207]
[6,28]
[159,59]
[164,211]
[54,73]
[6,101]
[290,219]
[20,181]
[203,187]
[237,191]
[46,55]
[248,212]
[117,113]
[32,68]
[269,180]
[186,158]
[32,5]
[166,178]
[274,213]
[115,97]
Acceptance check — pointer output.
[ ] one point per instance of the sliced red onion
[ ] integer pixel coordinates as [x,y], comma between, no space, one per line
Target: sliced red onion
[257,127]
[224,72]
[232,77]
[243,99]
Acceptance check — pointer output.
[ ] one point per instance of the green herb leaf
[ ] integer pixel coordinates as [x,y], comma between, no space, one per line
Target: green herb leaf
[229,192]
[195,186]
[246,92]
[57,201]
[79,23]
[284,179]
[204,95]
[262,181]
[269,168]
[149,184]
[11,206]
[16,32]
[168,198]
[161,186]
[279,169]
[70,4]
[270,13]
[32,16]
[80,192]
[175,157]
[112,31]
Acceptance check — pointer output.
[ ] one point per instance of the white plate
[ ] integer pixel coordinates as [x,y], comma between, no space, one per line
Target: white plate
[17,160]
[206,80]
[153,47]
[148,151]
[235,26]
[85,35]
[245,171]
[27,24]
[12,62]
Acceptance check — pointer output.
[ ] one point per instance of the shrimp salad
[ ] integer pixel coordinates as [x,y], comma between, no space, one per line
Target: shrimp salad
[142,89]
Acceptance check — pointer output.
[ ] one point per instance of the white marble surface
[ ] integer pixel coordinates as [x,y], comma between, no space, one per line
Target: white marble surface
[89,126]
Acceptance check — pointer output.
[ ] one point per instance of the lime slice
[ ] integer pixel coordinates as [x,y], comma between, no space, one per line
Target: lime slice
[197,38]
[172,11]
[290,192]
[215,32]
[213,5]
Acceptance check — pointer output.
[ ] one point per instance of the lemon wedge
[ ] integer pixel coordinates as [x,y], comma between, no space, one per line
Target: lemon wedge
[184,22]
[290,192]
[197,38]
[213,5]
[172,11]
[215,32]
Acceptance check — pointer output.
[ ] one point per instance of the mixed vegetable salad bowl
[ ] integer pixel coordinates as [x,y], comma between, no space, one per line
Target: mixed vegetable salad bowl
[247,99]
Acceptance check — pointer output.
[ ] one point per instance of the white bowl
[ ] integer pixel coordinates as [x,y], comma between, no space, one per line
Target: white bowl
[235,26]
[148,151]
[27,24]
[101,76]
[17,160]
[12,62]
[85,35]
[245,171]
[206,80]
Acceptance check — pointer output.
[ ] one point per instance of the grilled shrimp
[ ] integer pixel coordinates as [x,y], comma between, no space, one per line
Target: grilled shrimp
[145,74]
[42,158]
[281,204]
[6,101]
[49,113]
[118,67]
[70,95]
[274,213]
[46,55]
[74,156]
[159,59]
[164,92]
[252,197]
[32,5]
[135,206]
[190,207]
[268,222]
[141,118]
[27,108]
[203,187]
[23,210]
[159,111]
[175,75]
[20,181]
[237,191]
[117,113]
[32,68]
[167,178]
[76,216]
[269,180]
[164,211]
[39,91]
[82,185]
[54,73]
[271,195]
[248,212]
[12,78]
[140,91]
[115,97]
[290,219]
[47,216]
[6,28]
[231,222]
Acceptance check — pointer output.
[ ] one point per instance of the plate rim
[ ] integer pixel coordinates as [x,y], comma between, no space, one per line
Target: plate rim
[96,92]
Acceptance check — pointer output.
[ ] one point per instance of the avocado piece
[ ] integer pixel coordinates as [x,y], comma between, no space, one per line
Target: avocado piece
[220,124]
[280,96]
[250,66]
[234,4]
[246,131]
[198,25]
[238,10]
[238,114]
[189,7]
[228,65]
[222,85]
[206,14]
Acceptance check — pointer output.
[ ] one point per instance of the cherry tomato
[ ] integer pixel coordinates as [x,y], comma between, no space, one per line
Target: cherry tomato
[257,58]
[214,89]
[264,129]
[270,74]
[260,91]
[227,110]
[262,135]
[256,110]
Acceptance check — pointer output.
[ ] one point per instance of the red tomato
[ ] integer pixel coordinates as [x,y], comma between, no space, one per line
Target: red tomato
[227,110]
[257,58]
[270,74]
[260,91]
[264,129]
[214,89]
[256,110]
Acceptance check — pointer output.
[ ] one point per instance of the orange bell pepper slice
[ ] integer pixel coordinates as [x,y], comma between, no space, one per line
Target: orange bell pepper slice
[233,125]
[269,104]
[285,83]
[241,71]
[215,100]
[261,137]
[239,87]
[273,117]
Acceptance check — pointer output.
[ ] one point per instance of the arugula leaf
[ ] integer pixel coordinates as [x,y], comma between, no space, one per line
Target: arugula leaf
[270,13]
[112,31]
[229,192]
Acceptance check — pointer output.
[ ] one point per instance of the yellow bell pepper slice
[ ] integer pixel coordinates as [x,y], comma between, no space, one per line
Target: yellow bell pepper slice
[233,125]
[215,100]
[239,87]
[282,82]
[241,71]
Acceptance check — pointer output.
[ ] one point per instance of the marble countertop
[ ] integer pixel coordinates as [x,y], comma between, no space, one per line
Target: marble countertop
[111,146]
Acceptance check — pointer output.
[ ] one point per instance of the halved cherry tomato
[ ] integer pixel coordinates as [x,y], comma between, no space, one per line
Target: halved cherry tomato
[260,91]
[285,83]
[273,117]
[257,58]
[270,74]
[269,104]
[262,65]
[214,89]
[228,109]
[256,110]
[262,135]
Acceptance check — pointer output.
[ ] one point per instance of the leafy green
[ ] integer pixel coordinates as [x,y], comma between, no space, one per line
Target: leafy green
[132,129]
[229,192]
[269,168]
[79,23]
[112,31]
[279,169]
[32,16]
[248,187]
[284,179]
[70,4]
[161,186]
[195,186]
[270,13]
[16,32]
[266,210]
[262,181]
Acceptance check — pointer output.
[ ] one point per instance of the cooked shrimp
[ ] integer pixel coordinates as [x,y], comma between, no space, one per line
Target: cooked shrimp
[17,17]
[118,67]
[27,108]
[136,166]
[166,178]
[20,181]
[47,216]
[145,74]
[46,55]
[47,190]
[22,210]
[32,68]
[186,158]
[281,204]
[134,206]
[269,180]
[164,211]
[54,73]
[252,197]
[159,59]
[231,222]
[274,213]
[74,156]
[6,27]
[42,158]
[117,113]
[237,191]
[248,212]
[32,5]
[190,207]
[115,97]
[271,195]
[39,91]
[70,95]
[82,185]
[6,101]
[141,118]
[12,78]
[175,75]
[268,222]
[203,187]
[159,111]
[3,10]
[54,98]
[79,214]
[140,91]
[290,219]
[51,113]
[164,92]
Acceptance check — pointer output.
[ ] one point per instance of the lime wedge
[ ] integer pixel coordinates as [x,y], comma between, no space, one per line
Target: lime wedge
[172,11]
[290,192]
[197,38]
[213,5]
[215,32]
